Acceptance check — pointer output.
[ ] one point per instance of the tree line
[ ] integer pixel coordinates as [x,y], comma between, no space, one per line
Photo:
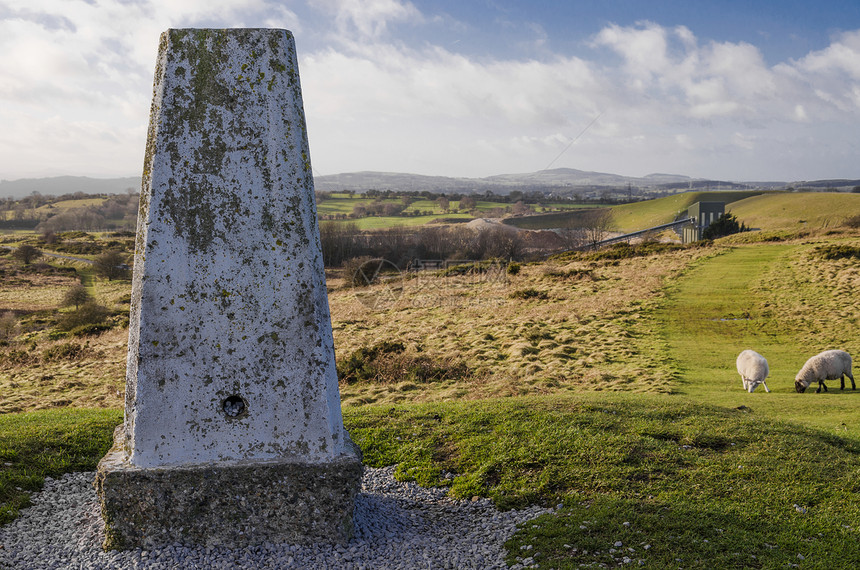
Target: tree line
[38,212]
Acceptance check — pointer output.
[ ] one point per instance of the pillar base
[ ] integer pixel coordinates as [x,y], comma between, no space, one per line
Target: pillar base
[233,504]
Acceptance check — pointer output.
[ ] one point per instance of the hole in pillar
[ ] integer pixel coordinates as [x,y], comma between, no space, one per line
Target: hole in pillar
[234,406]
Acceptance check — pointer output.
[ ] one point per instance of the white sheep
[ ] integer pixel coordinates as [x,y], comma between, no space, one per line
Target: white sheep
[753,369]
[828,365]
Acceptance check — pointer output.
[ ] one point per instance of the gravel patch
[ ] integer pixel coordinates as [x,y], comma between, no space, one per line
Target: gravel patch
[398,525]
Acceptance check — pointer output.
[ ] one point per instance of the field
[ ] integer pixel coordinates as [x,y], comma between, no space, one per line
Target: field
[417,213]
[603,382]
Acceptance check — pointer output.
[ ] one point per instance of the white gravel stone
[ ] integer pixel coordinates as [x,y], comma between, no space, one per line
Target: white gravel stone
[397,525]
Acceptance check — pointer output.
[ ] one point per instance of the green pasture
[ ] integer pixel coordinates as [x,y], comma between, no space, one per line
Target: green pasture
[753,297]
[650,213]
[796,210]
[70,204]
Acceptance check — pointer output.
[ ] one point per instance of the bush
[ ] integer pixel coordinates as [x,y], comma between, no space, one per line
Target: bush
[390,362]
[16,356]
[514,268]
[90,330]
[529,293]
[26,254]
[65,351]
[87,314]
[725,225]
[8,325]
[852,222]
[831,252]
[78,295]
[111,264]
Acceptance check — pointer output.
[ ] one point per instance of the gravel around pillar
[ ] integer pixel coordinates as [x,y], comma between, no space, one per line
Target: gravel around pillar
[233,432]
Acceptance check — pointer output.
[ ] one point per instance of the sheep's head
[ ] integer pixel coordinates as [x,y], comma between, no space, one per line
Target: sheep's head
[800,386]
[752,385]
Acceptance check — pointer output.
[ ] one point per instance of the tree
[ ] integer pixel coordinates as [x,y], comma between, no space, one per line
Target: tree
[27,253]
[468,203]
[8,326]
[725,225]
[596,225]
[77,296]
[111,264]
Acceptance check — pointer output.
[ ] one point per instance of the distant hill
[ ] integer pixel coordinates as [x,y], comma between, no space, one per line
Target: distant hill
[559,180]
[59,185]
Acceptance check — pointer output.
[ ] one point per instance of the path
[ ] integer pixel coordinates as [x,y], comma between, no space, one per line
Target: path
[715,311]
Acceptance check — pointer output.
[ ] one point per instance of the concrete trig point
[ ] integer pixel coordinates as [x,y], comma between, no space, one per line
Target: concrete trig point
[233,432]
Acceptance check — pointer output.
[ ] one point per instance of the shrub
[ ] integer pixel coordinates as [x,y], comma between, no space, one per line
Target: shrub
[725,225]
[90,330]
[8,325]
[87,314]
[78,295]
[16,356]
[570,274]
[514,268]
[26,253]
[831,252]
[364,271]
[529,293]
[111,264]
[852,222]
[390,362]
[65,351]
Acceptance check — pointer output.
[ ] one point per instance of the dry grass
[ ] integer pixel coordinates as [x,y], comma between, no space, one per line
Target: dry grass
[33,288]
[590,328]
[38,372]
[83,373]
[591,331]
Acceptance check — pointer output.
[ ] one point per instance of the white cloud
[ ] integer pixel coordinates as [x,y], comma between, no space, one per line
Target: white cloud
[370,18]
[75,84]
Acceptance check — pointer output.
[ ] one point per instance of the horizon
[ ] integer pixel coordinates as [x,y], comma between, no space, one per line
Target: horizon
[720,90]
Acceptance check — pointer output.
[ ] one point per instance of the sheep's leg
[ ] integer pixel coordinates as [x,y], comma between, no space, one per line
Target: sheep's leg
[766,389]
[821,385]
[842,382]
[853,386]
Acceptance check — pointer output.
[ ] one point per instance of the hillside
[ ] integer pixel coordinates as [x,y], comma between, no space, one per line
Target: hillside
[642,215]
[756,209]
[59,185]
[796,210]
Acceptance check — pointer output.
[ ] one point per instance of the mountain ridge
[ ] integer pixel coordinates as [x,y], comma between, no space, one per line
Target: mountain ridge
[557,179]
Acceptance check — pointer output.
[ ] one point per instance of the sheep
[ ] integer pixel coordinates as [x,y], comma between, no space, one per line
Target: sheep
[753,369]
[828,365]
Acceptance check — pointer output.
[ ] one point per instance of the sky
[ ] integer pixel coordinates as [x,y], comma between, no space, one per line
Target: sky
[729,90]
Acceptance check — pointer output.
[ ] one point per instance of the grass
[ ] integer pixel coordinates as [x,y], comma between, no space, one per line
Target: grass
[609,389]
[781,300]
[571,324]
[48,443]
[641,215]
[796,210]
[703,486]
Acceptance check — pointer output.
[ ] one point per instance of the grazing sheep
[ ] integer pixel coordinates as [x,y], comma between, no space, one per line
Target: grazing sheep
[828,365]
[753,369]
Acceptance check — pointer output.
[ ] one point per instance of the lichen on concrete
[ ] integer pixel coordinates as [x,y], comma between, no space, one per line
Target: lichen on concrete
[229,301]
[234,505]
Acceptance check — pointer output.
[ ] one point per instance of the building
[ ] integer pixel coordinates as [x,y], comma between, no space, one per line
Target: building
[702,214]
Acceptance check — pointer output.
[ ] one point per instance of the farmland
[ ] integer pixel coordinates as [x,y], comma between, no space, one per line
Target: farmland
[602,381]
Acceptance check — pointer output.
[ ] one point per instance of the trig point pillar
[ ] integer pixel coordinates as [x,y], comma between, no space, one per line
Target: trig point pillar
[233,432]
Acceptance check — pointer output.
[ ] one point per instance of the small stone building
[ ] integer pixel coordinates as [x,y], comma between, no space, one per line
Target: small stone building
[703,214]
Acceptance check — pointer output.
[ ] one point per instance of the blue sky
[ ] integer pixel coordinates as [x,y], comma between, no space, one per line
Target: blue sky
[728,90]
